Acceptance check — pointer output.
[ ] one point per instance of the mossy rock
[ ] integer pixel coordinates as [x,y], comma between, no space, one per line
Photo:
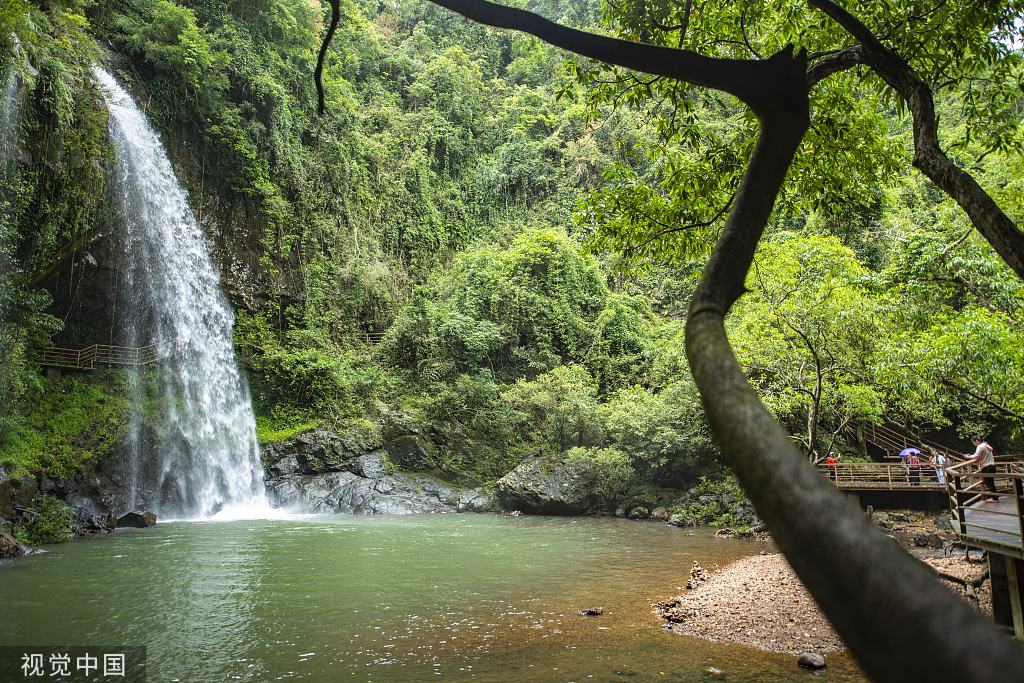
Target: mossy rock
[412,452]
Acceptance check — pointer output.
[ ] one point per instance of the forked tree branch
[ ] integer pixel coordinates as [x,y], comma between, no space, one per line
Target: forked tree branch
[990,220]
[750,80]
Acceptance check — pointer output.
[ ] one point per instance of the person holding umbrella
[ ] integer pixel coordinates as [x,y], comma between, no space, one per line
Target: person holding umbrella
[912,472]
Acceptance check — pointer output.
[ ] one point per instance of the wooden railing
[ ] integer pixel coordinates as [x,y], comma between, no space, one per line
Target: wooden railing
[103,354]
[893,441]
[881,475]
[373,337]
[984,517]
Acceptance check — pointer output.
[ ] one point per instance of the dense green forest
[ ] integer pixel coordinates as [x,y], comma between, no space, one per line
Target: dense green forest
[524,229]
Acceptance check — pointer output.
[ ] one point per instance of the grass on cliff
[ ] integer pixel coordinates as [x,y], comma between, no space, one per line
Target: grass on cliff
[71,422]
[269,430]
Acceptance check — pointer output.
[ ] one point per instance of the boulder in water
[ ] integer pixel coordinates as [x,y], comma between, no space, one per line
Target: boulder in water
[9,546]
[136,520]
[96,524]
[394,493]
[547,486]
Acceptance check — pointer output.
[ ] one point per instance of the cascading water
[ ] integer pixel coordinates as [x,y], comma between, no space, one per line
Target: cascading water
[10,139]
[205,459]
[10,116]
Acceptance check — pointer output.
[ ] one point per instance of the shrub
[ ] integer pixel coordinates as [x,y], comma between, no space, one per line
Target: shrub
[561,405]
[611,471]
[48,521]
[717,503]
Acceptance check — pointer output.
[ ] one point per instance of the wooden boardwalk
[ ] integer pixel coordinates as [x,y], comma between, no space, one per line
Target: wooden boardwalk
[995,526]
[880,476]
[993,522]
[96,355]
[998,526]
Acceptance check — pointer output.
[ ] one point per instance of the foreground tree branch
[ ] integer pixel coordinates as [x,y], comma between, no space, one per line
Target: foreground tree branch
[872,591]
[869,587]
[1001,232]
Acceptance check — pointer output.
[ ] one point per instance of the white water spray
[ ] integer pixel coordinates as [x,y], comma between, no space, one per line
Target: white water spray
[10,116]
[207,460]
[10,139]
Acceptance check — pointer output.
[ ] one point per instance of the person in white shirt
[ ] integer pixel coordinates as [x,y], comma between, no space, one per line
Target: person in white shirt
[939,462]
[986,461]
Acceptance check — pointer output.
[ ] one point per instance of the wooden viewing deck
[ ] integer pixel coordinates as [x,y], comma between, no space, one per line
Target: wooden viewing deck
[880,476]
[103,354]
[998,526]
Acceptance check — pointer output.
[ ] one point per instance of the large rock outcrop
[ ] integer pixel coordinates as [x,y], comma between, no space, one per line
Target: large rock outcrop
[315,452]
[548,486]
[322,472]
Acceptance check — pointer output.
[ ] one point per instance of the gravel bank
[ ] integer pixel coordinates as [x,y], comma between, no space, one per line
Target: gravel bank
[759,602]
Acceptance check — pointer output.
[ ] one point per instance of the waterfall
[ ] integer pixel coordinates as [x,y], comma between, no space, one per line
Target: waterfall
[10,139]
[10,116]
[205,459]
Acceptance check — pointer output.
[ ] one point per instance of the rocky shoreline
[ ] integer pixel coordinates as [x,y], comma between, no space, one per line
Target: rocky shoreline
[759,602]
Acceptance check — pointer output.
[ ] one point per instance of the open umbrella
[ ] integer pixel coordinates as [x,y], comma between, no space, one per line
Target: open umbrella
[907,452]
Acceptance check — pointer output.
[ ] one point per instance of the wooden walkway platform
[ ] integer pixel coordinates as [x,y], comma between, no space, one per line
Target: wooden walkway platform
[993,522]
[880,476]
[998,526]
[97,355]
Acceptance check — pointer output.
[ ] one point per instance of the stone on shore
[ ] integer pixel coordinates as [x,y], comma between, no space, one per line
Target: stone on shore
[811,660]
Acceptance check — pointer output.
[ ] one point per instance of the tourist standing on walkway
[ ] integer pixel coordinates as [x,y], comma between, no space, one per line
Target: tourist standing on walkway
[939,462]
[905,457]
[985,459]
[830,462]
[914,468]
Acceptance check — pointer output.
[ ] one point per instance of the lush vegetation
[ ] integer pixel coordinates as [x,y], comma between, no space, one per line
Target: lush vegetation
[516,225]
[48,521]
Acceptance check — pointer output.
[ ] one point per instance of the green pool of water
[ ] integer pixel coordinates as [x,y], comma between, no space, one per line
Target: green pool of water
[417,598]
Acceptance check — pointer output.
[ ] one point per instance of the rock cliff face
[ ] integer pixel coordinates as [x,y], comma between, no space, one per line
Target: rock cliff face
[322,472]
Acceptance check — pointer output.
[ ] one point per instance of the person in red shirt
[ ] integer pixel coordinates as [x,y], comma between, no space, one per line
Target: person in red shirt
[830,461]
[914,468]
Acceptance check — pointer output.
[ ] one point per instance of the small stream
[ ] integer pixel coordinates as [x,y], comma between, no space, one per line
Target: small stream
[385,598]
